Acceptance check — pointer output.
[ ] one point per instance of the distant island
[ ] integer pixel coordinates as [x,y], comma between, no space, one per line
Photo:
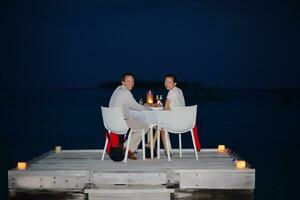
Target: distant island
[191,90]
[195,91]
[149,84]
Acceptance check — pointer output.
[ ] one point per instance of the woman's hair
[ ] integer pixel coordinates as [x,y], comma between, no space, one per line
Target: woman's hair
[126,74]
[171,76]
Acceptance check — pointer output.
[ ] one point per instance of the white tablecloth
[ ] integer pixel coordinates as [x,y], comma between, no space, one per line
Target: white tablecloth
[147,117]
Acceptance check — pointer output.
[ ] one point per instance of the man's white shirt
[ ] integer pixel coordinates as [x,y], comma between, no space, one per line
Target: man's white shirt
[123,97]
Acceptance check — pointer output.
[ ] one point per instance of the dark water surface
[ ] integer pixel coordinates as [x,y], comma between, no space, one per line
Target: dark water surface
[260,126]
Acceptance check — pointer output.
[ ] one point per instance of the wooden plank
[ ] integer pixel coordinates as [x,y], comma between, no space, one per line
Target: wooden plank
[144,162]
[233,170]
[217,180]
[141,168]
[90,163]
[96,153]
[86,159]
[139,165]
[130,188]
[130,178]
[137,192]
[77,172]
[131,196]
[101,150]
[49,179]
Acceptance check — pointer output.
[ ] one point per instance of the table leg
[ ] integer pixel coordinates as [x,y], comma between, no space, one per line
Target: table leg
[151,142]
[157,134]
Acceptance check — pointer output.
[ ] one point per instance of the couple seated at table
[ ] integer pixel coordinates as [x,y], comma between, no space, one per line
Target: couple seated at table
[122,97]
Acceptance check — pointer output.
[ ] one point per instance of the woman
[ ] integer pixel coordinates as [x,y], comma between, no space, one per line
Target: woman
[174,98]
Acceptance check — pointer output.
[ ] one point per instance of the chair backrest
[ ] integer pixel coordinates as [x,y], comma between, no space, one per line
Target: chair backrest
[113,120]
[180,119]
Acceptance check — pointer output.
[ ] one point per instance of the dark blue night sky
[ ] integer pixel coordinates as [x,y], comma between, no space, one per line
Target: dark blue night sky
[235,44]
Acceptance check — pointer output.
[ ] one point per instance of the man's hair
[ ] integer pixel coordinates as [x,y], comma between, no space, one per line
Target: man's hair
[126,74]
[171,76]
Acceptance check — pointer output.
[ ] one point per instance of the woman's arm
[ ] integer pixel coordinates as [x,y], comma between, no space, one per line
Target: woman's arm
[167,104]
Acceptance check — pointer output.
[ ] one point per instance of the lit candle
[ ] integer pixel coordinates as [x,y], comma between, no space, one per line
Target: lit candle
[58,149]
[241,164]
[22,166]
[221,148]
[149,97]
[150,101]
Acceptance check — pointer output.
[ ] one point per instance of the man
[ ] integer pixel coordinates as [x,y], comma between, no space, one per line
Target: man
[122,97]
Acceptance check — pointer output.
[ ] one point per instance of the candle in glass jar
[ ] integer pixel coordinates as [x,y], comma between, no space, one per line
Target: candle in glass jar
[221,148]
[240,164]
[22,165]
[149,97]
[58,149]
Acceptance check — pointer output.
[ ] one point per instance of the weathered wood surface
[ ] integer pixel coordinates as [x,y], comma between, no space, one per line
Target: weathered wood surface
[72,169]
[145,192]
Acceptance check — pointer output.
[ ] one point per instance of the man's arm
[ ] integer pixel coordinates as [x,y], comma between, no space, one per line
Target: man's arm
[132,104]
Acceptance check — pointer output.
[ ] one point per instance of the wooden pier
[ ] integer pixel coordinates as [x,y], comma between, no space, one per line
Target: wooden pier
[83,174]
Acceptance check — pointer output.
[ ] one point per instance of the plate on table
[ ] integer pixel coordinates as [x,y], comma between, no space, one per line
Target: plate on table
[156,108]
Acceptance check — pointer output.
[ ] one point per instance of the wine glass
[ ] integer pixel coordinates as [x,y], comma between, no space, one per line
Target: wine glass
[141,101]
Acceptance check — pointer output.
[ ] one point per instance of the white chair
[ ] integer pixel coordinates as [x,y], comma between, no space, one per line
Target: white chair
[180,120]
[113,120]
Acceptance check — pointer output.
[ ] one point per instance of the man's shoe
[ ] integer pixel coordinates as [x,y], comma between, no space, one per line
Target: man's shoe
[131,156]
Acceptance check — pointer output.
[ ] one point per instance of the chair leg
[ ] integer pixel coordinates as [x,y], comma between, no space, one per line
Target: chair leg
[158,142]
[105,147]
[180,146]
[151,142]
[127,147]
[170,145]
[143,144]
[195,148]
[166,137]
[167,143]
